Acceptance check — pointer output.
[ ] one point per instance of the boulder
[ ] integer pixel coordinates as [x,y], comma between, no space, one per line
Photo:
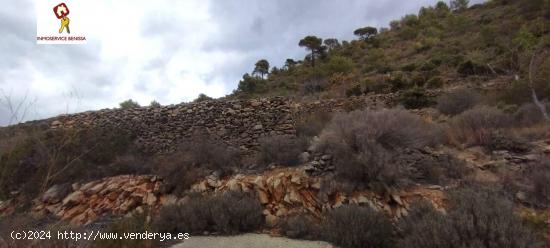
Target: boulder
[56,193]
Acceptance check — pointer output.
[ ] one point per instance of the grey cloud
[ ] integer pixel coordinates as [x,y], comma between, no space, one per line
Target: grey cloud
[248,28]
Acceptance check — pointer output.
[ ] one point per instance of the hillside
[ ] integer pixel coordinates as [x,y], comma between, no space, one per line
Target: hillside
[436,48]
[431,133]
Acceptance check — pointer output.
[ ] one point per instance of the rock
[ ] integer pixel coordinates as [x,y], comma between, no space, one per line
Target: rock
[316,185]
[233,185]
[73,198]
[294,196]
[263,197]
[397,199]
[56,193]
[521,196]
[258,127]
[326,157]
[168,200]
[271,220]
[75,186]
[295,179]
[309,168]
[150,199]
[304,157]
[281,212]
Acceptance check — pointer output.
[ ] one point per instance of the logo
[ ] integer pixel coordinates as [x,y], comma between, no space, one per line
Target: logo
[61,12]
[56,27]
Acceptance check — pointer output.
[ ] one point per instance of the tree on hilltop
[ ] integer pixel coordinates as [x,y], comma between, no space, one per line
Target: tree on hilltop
[128,104]
[457,5]
[313,44]
[366,33]
[261,67]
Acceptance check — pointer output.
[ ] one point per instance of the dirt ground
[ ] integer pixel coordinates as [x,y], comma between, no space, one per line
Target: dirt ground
[249,241]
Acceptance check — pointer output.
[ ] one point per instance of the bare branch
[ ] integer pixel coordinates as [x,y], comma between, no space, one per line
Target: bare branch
[532,68]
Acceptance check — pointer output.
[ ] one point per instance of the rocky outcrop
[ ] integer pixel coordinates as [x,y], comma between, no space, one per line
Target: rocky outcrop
[110,196]
[285,192]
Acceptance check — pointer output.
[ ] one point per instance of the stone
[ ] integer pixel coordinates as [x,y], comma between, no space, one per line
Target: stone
[258,127]
[150,199]
[397,199]
[56,193]
[294,196]
[271,220]
[263,197]
[521,196]
[296,179]
[316,185]
[304,157]
[281,212]
[326,157]
[233,185]
[73,198]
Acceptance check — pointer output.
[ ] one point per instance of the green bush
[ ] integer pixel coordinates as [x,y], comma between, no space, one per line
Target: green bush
[129,104]
[470,67]
[354,91]
[416,98]
[339,64]
[435,82]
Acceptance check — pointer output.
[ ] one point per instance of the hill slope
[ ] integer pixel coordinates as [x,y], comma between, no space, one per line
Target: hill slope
[439,47]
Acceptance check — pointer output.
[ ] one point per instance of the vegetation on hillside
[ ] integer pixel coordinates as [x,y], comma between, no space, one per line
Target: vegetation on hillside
[440,46]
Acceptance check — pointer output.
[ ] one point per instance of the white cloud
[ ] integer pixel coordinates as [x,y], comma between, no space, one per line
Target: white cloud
[169,51]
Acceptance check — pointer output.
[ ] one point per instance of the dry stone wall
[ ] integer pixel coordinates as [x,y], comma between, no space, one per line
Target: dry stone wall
[239,123]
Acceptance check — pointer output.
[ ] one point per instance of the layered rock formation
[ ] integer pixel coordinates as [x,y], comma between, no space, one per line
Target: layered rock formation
[289,191]
[110,196]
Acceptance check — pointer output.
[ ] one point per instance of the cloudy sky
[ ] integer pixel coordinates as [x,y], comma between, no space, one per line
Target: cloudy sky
[169,51]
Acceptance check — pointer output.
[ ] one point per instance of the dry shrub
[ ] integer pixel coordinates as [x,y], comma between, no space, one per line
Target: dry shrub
[213,154]
[301,227]
[540,176]
[458,101]
[312,124]
[477,218]
[282,149]
[508,142]
[354,226]
[227,213]
[529,115]
[364,144]
[178,173]
[477,126]
[48,157]
[136,223]
[532,133]
[193,160]
[432,169]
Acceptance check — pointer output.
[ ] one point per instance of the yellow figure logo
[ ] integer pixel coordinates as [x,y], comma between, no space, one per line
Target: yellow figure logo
[61,11]
[65,25]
